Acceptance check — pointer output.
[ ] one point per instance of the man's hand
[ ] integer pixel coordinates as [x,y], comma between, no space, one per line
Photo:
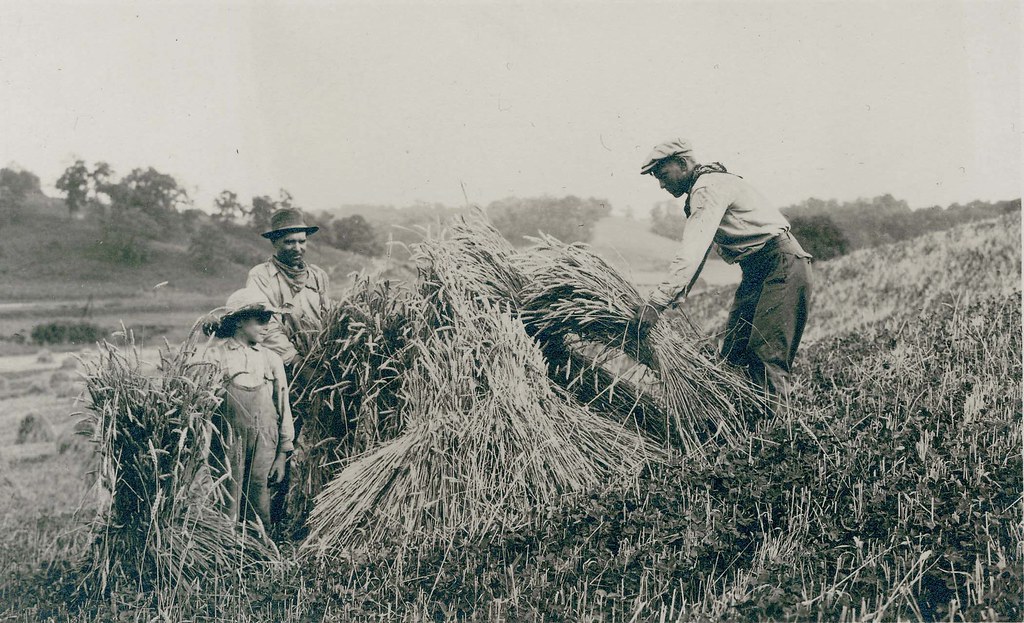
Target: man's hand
[646,317]
[277,469]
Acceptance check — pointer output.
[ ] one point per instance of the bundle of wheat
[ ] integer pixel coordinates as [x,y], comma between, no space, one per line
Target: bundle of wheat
[349,382]
[484,437]
[470,261]
[573,298]
[161,527]
[488,441]
[474,260]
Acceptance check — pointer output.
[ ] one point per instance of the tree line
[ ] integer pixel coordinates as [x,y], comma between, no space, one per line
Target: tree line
[146,205]
[829,228]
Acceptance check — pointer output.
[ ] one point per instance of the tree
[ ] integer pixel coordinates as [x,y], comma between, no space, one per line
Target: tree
[354,233]
[263,207]
[570,219]
[157,194]
[667,220]
[18,181]
[144,205]
[102,181]
[228,207]
[820,236]
[15,186]
[74,183]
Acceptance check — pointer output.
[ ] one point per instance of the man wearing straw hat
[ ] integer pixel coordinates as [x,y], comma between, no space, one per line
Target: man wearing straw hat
[773,299]
[298,289]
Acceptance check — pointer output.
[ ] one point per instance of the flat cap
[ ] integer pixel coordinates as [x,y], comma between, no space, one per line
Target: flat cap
[673,147]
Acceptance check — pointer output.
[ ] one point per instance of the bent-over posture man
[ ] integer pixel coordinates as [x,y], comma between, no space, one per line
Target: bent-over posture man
[300,291]
[773,299]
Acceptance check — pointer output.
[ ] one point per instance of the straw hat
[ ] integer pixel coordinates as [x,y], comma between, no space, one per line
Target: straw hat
[244,303]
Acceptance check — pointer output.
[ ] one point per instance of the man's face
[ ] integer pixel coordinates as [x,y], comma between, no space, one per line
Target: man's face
[674,176]
[291,248]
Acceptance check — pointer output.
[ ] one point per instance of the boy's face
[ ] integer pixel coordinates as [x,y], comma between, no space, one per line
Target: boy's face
[251,330]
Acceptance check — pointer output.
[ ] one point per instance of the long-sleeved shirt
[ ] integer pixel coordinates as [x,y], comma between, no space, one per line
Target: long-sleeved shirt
[251,366]
[727,210]
[306,308]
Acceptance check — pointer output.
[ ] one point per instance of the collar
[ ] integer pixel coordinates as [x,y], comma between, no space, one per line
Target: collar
[232,343]
[271,267]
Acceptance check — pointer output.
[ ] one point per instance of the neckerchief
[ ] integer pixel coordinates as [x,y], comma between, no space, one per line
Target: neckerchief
[701,169]
[295,276]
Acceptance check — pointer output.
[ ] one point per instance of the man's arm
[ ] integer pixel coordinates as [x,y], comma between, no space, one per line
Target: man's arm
[707,207]
[275,338]
[286,427]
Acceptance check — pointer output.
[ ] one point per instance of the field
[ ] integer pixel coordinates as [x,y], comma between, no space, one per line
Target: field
[892,491]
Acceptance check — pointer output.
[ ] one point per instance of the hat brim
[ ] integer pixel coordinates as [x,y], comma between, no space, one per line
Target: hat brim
[225,313]
[648,169]
[312,229]
[219,319]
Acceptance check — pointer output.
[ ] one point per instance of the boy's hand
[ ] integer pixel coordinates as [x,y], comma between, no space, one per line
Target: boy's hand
[277,469]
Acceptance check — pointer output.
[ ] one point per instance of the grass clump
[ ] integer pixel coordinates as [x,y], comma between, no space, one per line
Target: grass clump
[64,332]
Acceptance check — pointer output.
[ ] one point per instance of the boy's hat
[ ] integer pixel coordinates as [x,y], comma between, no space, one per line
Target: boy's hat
[243,303]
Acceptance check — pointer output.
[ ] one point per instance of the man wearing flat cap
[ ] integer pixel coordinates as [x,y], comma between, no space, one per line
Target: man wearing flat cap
[773,299]
[288,282]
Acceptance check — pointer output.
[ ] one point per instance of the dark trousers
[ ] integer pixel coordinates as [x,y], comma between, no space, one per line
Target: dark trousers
[769,313]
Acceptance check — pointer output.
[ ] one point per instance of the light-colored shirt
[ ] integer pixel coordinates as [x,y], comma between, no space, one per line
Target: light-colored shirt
[727,210]
[251,366]
[306,308]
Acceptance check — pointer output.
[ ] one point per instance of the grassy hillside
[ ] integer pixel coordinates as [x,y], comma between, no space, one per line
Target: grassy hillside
[48,255]
[899,280]
[892,492]
[53,268]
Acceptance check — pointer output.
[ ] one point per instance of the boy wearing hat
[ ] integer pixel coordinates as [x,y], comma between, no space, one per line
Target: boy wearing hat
[289,283]
[255,417]
[773,299]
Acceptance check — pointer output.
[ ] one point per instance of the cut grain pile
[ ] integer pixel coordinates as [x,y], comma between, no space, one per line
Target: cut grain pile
[457,407]
[34,428]
[486,440]
[463,406]
[160,528]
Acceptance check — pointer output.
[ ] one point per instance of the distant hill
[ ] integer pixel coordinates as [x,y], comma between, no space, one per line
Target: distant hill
[644,256]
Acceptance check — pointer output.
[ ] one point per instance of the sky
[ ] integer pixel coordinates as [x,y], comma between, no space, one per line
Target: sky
[385,103]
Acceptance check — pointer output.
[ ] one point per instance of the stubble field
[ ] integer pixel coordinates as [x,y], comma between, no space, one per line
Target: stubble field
[892,491]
